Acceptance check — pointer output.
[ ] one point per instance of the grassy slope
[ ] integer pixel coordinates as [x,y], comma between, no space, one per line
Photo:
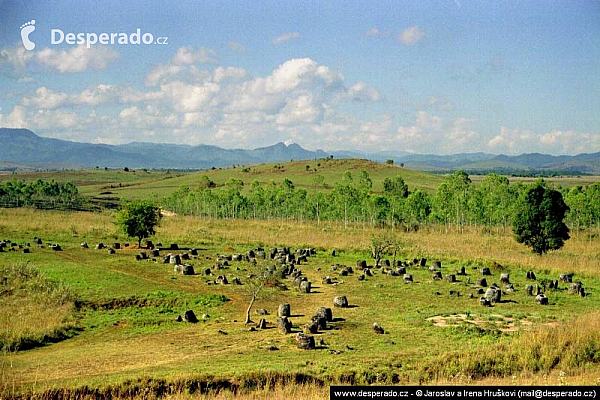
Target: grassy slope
[155,185]
[130,342]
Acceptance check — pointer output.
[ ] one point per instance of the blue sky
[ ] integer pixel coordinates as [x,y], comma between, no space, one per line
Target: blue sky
[427,77]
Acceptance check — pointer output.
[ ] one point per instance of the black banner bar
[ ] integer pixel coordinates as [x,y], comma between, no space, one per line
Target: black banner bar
[463,392]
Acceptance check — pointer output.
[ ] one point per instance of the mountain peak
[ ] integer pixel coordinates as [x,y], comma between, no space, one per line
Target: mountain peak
[12,133]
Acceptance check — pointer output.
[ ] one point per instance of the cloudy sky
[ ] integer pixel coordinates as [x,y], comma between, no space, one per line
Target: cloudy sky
[418,76]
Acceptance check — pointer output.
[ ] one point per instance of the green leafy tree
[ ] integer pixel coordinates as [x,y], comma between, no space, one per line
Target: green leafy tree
[452,198]
[418,206]
[539,219]
[138,219]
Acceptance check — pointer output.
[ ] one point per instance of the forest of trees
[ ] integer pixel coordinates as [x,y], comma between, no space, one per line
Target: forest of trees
[456,202]
[40,194]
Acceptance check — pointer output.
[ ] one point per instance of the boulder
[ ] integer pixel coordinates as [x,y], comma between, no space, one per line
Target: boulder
[305,342]
[377,328]
[340,301]
[486,271]
[568,278]
[530,275]
[189,316]
[436,264]
[187,269]
[482,282]
[321,322]
[284,325]
[437,275]
[84,245]
[261,311]
[408,278]
[305,287]
[577,288]
[504,278]
[100,246]
[451,278]
[529,289]
[493,295]
[284,310]
[541,299]
[311,328]
[326,313]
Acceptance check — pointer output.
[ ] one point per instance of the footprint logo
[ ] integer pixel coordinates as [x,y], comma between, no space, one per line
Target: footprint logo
[26,29]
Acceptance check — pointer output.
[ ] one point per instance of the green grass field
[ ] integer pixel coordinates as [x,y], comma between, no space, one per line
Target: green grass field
[82,321]
[120,325]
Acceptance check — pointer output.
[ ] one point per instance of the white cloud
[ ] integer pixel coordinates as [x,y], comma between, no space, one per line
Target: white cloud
[187,98]
[517,141]
[412,35]
[17,118]
[373,32]
[240,48]
[432,134]
[77,59]
[300,110]
[439,104]
[143,117]
[45,98]
[56,120]
[160,72]
[183,62]
[285,37]
[16,57]
[298,100]
[362,92]
[188,56]
[25,79]
[231,73]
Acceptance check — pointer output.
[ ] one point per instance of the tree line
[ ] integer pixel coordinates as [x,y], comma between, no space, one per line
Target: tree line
[40,194]
[456,202]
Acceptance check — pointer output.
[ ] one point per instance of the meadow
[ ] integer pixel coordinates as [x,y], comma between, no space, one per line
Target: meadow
[156,185]
[115,329]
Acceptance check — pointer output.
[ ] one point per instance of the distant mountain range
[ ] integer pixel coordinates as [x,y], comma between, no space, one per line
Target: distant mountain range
[23,149]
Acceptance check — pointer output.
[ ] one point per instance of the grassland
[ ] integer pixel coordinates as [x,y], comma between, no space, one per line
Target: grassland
[156,185]
[125,341]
